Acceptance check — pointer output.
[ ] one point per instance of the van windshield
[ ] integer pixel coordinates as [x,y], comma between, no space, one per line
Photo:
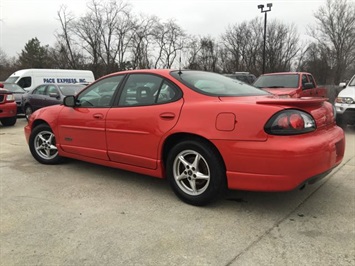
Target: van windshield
[11,79]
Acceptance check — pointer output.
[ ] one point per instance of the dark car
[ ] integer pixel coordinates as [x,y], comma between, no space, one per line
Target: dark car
[46,95]
[18,92]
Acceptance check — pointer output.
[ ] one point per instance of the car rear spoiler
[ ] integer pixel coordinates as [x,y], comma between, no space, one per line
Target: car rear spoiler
[304,101]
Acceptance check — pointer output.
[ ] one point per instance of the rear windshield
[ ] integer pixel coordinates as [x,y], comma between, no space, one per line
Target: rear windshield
[277,81]
[215,84]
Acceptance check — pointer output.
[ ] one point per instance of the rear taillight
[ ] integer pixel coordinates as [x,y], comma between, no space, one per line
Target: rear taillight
[290,122]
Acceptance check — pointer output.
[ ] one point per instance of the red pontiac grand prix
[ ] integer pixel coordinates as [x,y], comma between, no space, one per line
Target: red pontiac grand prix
[202,131]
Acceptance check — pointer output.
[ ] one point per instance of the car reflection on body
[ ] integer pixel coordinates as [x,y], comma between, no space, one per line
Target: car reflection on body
[202,131]
[46,95]
[18,92]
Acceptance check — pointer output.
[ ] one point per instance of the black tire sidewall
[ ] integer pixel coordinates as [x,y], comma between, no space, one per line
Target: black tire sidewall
[9,121]
[57,159]
[217,172]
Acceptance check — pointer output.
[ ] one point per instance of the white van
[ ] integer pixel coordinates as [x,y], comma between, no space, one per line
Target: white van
[345,103]
[31,78]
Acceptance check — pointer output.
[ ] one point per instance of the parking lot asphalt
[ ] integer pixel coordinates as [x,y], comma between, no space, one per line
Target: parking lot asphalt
[78,213]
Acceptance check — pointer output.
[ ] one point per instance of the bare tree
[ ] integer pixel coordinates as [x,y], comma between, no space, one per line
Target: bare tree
[203,54]
[142,39]
[244,41]
[281,46]
[335,30]
[169,40]
[65,49]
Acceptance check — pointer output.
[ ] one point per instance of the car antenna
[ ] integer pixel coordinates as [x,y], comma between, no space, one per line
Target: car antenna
[180,58]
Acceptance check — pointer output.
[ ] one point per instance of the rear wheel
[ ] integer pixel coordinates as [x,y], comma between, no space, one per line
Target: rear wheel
[9,121]
[195,172]
[43,145]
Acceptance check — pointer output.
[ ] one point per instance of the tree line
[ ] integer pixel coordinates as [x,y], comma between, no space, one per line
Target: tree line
[109,37]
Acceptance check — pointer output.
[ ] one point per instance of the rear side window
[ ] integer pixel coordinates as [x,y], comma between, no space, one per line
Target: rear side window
[147,89]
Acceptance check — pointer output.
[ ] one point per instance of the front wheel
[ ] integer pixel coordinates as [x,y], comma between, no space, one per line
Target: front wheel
[9,121]
[195,172]
[43,145]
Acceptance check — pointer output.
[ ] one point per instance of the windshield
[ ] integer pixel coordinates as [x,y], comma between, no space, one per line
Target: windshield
[352,82]
[71,89]
[11,79]
[277,81]
[215,84]
[13,88]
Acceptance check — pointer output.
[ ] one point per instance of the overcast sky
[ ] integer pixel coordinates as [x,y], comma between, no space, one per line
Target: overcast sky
[22,20]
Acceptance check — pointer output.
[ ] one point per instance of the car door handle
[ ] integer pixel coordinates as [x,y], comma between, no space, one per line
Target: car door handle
[98,116]
[167,115]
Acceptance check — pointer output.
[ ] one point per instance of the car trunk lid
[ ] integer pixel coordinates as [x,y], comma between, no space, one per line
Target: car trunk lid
[319,108]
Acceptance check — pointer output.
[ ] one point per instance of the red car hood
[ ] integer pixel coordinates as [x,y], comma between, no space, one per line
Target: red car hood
[281,91]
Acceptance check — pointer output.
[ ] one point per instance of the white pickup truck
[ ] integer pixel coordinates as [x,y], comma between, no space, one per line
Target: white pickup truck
[345,103]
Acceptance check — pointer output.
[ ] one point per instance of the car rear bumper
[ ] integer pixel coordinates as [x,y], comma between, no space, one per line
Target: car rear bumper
[282,163]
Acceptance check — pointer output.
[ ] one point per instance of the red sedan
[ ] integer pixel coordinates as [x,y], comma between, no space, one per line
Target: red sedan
[202,131]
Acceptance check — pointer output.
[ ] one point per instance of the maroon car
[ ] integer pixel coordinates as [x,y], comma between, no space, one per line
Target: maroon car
[7,107]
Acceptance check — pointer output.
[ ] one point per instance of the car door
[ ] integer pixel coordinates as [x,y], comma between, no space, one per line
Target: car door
[149,106]
[52,95]
[82,128]
[36,98]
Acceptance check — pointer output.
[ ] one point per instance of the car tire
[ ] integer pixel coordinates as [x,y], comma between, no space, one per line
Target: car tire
[28,111]
[9,121]
[196,172]
[341,122]
[42,145]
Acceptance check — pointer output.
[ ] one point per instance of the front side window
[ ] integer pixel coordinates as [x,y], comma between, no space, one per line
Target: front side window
[215,84]
[71,89]
[51,89]
[40,90]
[101,93]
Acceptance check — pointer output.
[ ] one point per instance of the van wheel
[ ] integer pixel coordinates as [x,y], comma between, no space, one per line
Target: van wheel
[42,145]
[195,172]
[28,112]
[9,121]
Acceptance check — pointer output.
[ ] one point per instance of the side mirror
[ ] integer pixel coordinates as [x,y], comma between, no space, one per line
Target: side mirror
[342,84]
[69,101]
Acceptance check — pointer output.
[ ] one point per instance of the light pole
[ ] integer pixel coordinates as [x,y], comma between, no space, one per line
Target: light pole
[261,7]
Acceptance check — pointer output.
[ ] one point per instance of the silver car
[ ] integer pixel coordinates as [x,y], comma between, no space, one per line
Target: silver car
[345,103]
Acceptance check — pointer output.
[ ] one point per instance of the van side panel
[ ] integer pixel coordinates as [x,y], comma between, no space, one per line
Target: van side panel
[58,76]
